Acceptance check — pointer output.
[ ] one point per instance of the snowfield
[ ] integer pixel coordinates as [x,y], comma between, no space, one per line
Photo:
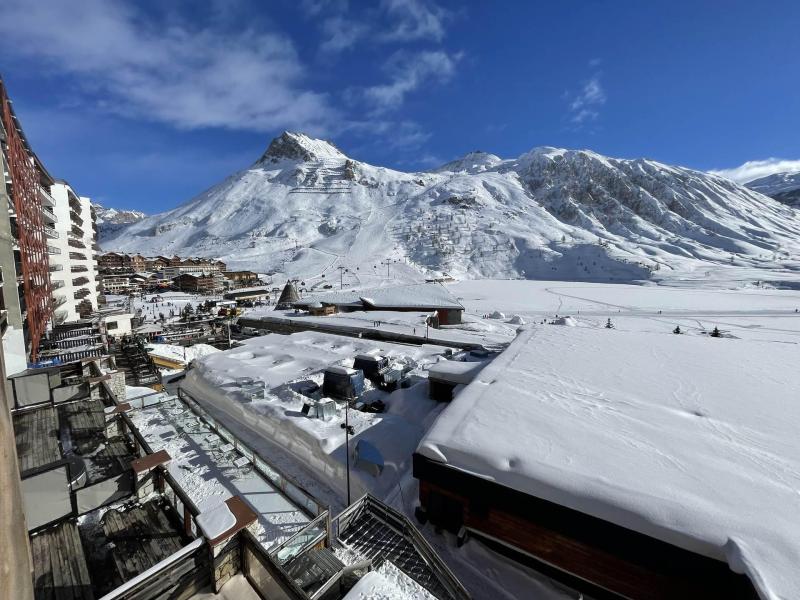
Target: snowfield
[686,438]
[304,209]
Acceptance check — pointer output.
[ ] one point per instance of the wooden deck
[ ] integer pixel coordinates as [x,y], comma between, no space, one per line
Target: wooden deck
[84,416]
[59,565]
[141,536]
[36,436]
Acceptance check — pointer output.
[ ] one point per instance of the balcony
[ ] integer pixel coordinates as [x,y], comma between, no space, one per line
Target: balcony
[81,293]
[49,215]
[53,250]
[80,281]
[56,284]
[54,268]
[79,268]
[76,218]
[75,255]
[76,231]
[58,301]
[47,199]
[76,243]
[51,233]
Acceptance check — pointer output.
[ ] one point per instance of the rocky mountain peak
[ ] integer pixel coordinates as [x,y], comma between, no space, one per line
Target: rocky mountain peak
[299,147]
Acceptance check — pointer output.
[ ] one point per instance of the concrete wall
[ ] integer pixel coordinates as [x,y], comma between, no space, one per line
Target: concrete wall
[15,558]
[14,351]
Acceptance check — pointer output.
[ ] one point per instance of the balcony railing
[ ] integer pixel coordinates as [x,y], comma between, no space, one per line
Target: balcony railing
[48,213]
[75,255]
[56,268]
[58,301]
[81,293]
[47,199]
[53,250]
[76,243]
[50,232]
[79,268]
[80,281]
[56,284]
[75,217]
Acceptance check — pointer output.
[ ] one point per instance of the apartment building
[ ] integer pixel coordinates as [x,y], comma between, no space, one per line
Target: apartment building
[74,267]
[27,230]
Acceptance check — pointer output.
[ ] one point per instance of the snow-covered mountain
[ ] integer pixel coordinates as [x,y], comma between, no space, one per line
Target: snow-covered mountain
[305,208]
[112,220]
[783,187]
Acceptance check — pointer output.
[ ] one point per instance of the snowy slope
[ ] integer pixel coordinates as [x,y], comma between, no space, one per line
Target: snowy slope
[305,208]
[783,187]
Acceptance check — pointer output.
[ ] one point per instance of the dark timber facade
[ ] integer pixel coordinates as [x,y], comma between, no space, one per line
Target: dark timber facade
[592,555]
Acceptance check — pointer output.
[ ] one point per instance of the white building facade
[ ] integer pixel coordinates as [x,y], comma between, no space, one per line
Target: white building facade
[74,268]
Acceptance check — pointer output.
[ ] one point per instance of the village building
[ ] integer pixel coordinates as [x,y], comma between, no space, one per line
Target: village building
[431,298]
[156,263]
[200,283]
[241,278]
[251,294]
[580,454]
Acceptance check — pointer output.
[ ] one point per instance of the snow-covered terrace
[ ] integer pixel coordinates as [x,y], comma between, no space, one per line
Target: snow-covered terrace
[687,439]
[211,469]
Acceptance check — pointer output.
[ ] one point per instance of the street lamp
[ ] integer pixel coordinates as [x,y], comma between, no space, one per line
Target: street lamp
[348,431]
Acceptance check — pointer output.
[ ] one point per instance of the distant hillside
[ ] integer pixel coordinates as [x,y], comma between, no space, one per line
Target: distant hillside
[111,221]
[783,187]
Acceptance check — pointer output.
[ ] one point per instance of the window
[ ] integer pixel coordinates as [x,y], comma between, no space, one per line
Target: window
[112,325]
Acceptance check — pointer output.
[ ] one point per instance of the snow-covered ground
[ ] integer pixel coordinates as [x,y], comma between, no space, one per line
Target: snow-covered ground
[763,319]
[152,306]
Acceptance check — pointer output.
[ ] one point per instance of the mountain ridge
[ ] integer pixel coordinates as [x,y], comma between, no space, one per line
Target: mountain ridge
[304,207]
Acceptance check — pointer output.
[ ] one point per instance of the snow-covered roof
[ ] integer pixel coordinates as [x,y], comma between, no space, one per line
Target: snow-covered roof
[418,295]
[687,439]
[454,371]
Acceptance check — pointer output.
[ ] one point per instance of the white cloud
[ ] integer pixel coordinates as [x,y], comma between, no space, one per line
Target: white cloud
[584,105]
[341,34]
[755,169]
[414,20]
[187,77]
[410,71]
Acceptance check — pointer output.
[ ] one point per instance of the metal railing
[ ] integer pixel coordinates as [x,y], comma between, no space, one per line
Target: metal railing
[309,536]
[53,250]
[51,233]
[48,213]
[402,525]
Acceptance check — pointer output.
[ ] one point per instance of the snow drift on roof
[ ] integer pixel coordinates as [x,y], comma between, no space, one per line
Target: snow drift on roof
[420,295]
[687,439]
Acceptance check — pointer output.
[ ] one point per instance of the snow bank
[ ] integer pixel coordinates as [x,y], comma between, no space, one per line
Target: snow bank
[687,439]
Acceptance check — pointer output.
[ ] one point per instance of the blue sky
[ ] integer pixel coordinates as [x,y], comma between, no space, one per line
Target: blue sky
[143,105]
